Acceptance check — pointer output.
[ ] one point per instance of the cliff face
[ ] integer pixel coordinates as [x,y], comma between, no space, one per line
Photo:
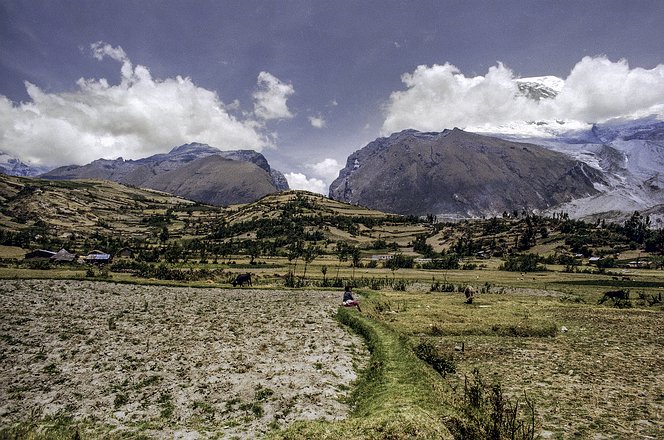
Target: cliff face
[458,173]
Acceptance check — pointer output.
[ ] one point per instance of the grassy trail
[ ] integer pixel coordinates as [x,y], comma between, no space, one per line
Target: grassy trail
[397,396]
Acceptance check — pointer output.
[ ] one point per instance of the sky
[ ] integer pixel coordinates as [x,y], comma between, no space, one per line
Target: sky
[307,83]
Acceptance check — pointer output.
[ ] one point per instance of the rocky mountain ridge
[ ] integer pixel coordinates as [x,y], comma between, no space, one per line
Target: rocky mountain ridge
[456,173]
[195,171]
[12,166]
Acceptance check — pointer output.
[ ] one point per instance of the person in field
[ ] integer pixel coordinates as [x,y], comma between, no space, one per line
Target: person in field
[348,300]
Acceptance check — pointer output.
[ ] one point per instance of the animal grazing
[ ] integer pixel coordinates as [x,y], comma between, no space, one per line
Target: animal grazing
[242,279]
[469,291]
[615,295]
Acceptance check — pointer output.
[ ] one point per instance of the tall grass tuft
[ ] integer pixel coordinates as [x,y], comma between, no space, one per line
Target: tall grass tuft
[485,413]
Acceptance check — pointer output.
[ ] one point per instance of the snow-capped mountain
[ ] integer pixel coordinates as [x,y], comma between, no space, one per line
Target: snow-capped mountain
[630,153]
[12,166]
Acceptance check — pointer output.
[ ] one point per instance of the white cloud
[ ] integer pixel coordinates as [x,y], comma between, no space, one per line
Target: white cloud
[597,89]
[300,181]
[317,122]
[140,116]
[327,169]
[270,99]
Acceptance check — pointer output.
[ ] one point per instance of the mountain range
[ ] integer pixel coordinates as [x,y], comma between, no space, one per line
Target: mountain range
[194,171]
[12,166]
[606,171]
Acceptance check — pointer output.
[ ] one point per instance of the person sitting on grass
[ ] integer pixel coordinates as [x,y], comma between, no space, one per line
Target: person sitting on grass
[348,300]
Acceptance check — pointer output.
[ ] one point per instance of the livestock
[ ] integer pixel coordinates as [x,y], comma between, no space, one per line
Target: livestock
[615,295]
[242,279]
[469,291]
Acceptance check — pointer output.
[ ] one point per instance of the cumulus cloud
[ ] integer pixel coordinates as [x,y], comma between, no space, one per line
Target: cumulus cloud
[597,89]
[301,181]
[327,169]
[271,96]
[317,122]
[318,177]
[138,117]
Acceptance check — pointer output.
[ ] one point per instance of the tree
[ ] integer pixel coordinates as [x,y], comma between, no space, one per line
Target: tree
[323,270]
[253,248]
[527,238]
[421,246]
[164,235]
[294,251]
[342,254]
[637,227]
[655,242]
[309,254]
[173,253]
[400,261]
[356,257]
[523,263]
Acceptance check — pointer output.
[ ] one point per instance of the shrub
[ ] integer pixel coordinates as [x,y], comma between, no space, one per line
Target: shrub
[437,286]
[487,414]
[527,330]
[38,264]
[429,353]
[523,263]
[400,285]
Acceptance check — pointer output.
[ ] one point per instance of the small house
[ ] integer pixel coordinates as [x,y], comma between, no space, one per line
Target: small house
[63,256]
[381,257]
[39,253]
[98,258]
[124,253]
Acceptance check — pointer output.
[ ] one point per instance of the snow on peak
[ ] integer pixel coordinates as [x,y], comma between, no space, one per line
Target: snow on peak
[540,87]
[552,82]
[532,129]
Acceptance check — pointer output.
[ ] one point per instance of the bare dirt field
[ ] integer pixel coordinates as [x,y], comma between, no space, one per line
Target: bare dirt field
[171,362]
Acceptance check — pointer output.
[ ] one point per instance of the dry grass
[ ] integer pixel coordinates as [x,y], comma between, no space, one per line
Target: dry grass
[602,378]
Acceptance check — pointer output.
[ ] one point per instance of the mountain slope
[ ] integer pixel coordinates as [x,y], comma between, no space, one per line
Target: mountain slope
[82,208]
[215,180]
[460,174]
[630,154]
[151,172]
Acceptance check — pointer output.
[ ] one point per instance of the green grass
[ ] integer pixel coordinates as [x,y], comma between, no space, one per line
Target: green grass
[397,395]
[615,283]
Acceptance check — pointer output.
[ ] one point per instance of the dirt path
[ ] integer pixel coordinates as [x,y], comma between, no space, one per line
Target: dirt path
[176,362]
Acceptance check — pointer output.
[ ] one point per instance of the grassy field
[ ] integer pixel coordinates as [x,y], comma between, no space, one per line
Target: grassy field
[592,370]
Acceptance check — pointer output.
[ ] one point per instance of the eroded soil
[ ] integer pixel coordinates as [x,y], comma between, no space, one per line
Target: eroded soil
[171,362]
